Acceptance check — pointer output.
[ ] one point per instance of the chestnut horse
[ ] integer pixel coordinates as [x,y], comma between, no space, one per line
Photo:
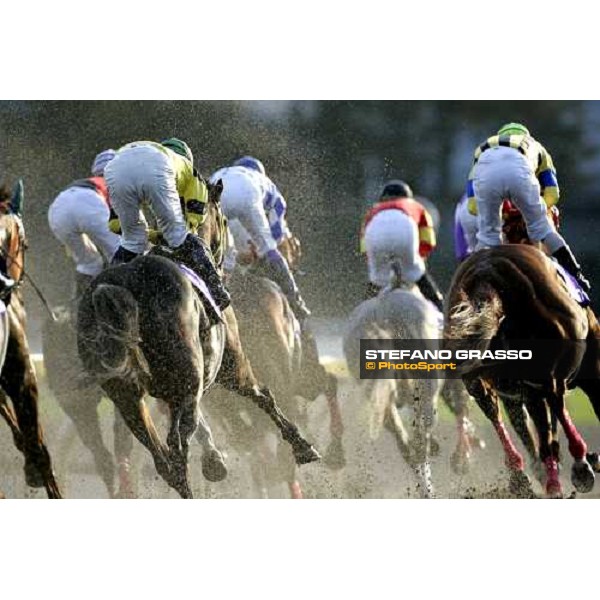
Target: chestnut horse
[143,329]
[514,292]
[18,381]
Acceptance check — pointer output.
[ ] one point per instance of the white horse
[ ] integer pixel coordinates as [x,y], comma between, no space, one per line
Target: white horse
[399,313]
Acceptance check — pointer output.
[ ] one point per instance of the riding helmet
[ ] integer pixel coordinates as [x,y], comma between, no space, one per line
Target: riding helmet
[250,163]
[396,188]
[180,147]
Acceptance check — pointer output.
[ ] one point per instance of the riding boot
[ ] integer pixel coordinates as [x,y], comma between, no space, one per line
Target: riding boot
[430,290]
[372,290]
[275,267]
[565,259]
[7,285]
[193,254]
[122,256]
[82,282]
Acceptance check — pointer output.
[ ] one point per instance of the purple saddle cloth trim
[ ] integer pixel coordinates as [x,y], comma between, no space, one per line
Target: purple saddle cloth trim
[199,284]
[575,290]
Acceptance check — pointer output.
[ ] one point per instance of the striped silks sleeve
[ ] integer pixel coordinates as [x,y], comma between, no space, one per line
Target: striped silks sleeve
[546,175]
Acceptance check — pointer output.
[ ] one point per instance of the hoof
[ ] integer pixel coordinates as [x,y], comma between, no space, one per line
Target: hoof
[296,491]
[460,462]
[594,459]
[33,476]
[519,485]
[213,466]
[582,476]
[305,453]
[476,442]
[334,456]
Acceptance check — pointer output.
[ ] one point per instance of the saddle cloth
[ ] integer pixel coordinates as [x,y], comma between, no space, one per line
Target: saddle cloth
[201,288]
[575,290]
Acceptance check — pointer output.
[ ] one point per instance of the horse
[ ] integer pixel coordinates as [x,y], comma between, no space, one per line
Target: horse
[142,329]
[514,292]
[288,363]
[18,381]
[399,312]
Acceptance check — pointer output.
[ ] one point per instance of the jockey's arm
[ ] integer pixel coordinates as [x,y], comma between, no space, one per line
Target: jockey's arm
[427,239]
[194,197]
[546,175]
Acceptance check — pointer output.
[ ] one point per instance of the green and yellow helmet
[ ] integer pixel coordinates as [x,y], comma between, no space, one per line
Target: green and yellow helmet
[178,146]
[513,129]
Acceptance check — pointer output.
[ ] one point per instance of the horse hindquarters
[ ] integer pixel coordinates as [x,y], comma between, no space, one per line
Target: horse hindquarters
[108,324]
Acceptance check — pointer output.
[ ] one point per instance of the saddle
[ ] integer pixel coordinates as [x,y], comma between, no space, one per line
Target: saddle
[215,314]
[202,290]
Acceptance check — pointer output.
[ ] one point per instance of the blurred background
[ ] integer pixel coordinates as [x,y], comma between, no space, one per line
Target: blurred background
[329,159]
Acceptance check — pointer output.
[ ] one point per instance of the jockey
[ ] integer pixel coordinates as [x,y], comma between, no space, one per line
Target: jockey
[513,165]
[465,230]
[252,199]
[163,175]
[399,228]
[79,217]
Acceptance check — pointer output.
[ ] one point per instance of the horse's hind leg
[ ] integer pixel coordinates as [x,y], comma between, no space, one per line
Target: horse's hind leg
[128,399]
[538,410]
[582,474]
[335,456]
[83,413]
[20,384]
[487,401]
[123,445]
[456,398]
[213,463]
[591,387]
[316,380]
[393,423]
[236,375]
[9,416]
[517,416]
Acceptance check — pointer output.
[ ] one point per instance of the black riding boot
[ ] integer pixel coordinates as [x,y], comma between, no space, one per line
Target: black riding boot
[7,285]
[193,254]
[565,259]
[122,256]
[430,290]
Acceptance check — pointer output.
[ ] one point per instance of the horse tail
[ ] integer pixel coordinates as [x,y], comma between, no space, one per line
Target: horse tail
[491,290]
[118,332]
[395,275]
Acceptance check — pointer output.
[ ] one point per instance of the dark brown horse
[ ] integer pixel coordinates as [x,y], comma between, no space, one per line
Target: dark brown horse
[142,329]
[18,381]
[514,292]
[288,363]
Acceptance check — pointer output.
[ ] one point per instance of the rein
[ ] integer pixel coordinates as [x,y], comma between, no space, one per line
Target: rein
[11,261]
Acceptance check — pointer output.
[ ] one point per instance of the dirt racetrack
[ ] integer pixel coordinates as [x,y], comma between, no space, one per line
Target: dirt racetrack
[374,468]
